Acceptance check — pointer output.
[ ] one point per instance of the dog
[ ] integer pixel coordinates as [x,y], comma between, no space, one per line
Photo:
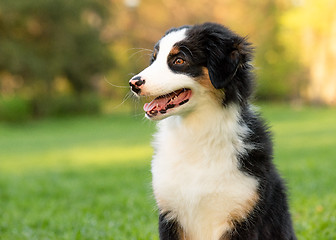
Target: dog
[212,171]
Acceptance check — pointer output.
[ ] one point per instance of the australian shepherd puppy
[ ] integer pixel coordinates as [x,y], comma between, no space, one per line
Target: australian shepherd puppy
[213,176]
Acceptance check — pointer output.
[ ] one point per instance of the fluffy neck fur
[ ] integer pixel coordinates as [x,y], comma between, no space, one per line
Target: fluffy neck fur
[196,179]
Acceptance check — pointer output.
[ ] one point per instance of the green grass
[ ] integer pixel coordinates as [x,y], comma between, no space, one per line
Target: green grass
[89,177]
[305,152]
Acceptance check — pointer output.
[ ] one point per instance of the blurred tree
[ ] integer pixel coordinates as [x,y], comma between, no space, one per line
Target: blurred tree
[44,39]
[47,41]
[273,68]
[309,34]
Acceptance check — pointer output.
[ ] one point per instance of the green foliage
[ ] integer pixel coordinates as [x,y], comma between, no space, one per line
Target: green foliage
[66,105]
[44,39]
[89,178]
[273,68]
[15,109]
[83,40]
[18,109]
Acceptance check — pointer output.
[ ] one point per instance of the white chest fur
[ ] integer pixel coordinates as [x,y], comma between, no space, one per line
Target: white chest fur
[195,172]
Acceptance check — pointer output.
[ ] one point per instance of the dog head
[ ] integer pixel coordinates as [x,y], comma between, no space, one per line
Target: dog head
[192,63]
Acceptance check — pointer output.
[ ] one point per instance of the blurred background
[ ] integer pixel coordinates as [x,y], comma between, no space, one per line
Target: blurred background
[74,147]
[67,57]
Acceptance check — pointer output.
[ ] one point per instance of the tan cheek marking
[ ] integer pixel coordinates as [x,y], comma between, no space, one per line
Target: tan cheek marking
[205,81]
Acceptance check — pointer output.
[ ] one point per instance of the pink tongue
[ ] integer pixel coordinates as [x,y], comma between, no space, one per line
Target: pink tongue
[156,102]
[161,103]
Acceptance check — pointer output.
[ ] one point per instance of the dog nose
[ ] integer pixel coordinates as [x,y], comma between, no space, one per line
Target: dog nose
[136,84]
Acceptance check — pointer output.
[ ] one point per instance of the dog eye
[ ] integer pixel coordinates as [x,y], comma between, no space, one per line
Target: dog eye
[179,61]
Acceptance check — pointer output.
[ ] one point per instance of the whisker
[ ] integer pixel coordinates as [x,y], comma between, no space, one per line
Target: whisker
[113,85]
[139,115]
[134,54]
[144,49]
[131,74]
[140,51]
[126,97]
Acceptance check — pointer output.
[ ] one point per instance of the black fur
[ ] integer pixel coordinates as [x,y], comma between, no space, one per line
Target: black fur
[168,229]
[227,57]
[271,218]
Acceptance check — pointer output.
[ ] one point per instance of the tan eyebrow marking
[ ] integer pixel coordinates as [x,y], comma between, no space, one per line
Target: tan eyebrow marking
[175,50]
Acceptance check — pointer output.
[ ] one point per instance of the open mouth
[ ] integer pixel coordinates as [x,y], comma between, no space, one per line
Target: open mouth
[165,103]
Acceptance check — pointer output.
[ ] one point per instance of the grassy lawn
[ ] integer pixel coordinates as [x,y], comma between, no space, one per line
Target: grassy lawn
[89,177]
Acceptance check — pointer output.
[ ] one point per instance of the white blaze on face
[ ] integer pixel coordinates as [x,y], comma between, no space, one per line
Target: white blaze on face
[160,79]
[167,43]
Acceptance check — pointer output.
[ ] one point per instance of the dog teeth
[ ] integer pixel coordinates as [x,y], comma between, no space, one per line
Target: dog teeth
[153,112]
[172,99]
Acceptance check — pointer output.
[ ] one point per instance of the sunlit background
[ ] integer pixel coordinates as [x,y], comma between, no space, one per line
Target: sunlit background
[57,54]
[74,147]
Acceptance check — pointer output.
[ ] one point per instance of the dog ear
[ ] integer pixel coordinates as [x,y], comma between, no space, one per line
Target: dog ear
[225,57]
